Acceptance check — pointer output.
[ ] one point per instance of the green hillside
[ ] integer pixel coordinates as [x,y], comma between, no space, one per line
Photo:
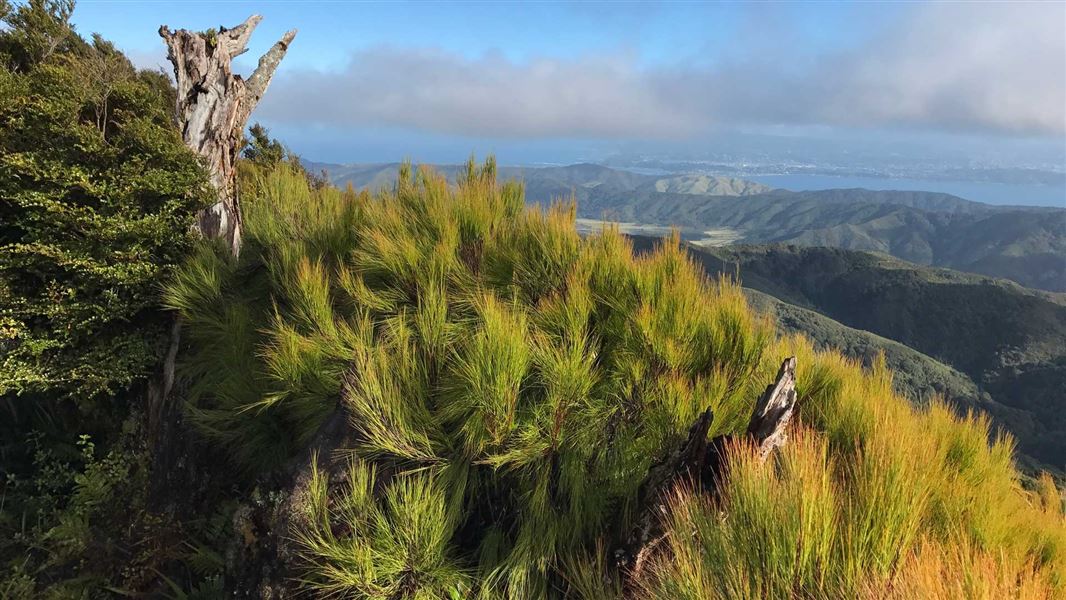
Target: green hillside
[1024,244]
[1008,340]
[708,185]
[1027,245]
[916,376]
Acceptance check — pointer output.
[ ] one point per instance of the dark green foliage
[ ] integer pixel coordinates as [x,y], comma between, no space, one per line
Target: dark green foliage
[97,192]
[60,531]
[39,30]
[263,150]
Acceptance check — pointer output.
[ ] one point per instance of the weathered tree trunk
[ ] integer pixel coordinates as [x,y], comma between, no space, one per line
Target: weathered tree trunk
[701,461]
[213,107]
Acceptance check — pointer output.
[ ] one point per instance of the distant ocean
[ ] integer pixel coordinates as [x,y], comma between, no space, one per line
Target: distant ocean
[990,193]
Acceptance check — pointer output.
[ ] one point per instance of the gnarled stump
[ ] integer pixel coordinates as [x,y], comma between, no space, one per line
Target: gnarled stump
[701,461]
[213,107]
[774,410]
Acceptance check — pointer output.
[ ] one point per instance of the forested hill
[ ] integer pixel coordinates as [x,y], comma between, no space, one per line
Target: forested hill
[1008,340]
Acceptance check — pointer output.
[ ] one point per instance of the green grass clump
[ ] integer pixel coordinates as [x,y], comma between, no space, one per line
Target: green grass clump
[871,498]
[509,384]
[397,546]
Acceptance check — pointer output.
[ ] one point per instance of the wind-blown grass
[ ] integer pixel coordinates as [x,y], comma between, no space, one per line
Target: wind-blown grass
[510,383]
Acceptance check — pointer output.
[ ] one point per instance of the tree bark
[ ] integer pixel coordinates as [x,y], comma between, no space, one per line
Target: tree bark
[213,106]
[701,462]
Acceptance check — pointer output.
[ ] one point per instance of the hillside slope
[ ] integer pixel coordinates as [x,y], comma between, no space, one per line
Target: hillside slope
[1027,245]
[1024,244]
[1008,340]
[709,185]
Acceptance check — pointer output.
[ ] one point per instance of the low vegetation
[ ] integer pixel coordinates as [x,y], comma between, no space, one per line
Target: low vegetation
[508,384]
[1009,342]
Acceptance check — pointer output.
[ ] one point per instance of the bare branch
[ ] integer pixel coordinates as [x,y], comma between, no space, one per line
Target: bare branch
[702,463]
[774,410]
[686,461]
[257,84]
[235,41]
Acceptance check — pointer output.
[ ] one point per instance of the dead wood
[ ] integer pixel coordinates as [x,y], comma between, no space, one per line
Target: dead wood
[699,462]
[213,106]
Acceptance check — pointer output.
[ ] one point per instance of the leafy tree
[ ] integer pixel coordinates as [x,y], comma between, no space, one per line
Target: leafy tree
[263,149]
[39,30]
[97,191]
[96,195]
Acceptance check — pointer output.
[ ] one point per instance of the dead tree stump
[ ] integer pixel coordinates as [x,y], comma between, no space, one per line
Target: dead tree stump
[213,106]
[701,462]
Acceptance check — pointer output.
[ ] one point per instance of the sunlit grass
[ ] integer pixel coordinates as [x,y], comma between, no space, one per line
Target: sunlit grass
[878,500]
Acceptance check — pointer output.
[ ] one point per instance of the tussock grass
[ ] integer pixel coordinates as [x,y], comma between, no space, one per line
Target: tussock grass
[509,384]
[871,498]
[395,545]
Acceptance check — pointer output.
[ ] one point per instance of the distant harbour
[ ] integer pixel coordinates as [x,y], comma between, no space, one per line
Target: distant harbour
[1030,194]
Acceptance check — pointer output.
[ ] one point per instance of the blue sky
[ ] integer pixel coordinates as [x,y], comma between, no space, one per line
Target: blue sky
[371,81]
[657,33]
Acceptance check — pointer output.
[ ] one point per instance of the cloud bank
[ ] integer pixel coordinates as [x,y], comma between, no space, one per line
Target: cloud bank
[948,67]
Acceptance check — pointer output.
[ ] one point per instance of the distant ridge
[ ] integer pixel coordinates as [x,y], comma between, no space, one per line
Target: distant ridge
[710,185]
[581,175]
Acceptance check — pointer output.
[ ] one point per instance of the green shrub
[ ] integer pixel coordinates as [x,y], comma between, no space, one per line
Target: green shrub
[481,355]
[509,384]
[96,195]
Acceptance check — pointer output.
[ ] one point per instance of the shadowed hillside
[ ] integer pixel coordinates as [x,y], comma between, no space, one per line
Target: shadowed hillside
[1009,341]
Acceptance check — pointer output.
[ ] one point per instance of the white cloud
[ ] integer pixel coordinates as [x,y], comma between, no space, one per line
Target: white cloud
[441,92]
[966,65]
[153,59]
[991,68]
